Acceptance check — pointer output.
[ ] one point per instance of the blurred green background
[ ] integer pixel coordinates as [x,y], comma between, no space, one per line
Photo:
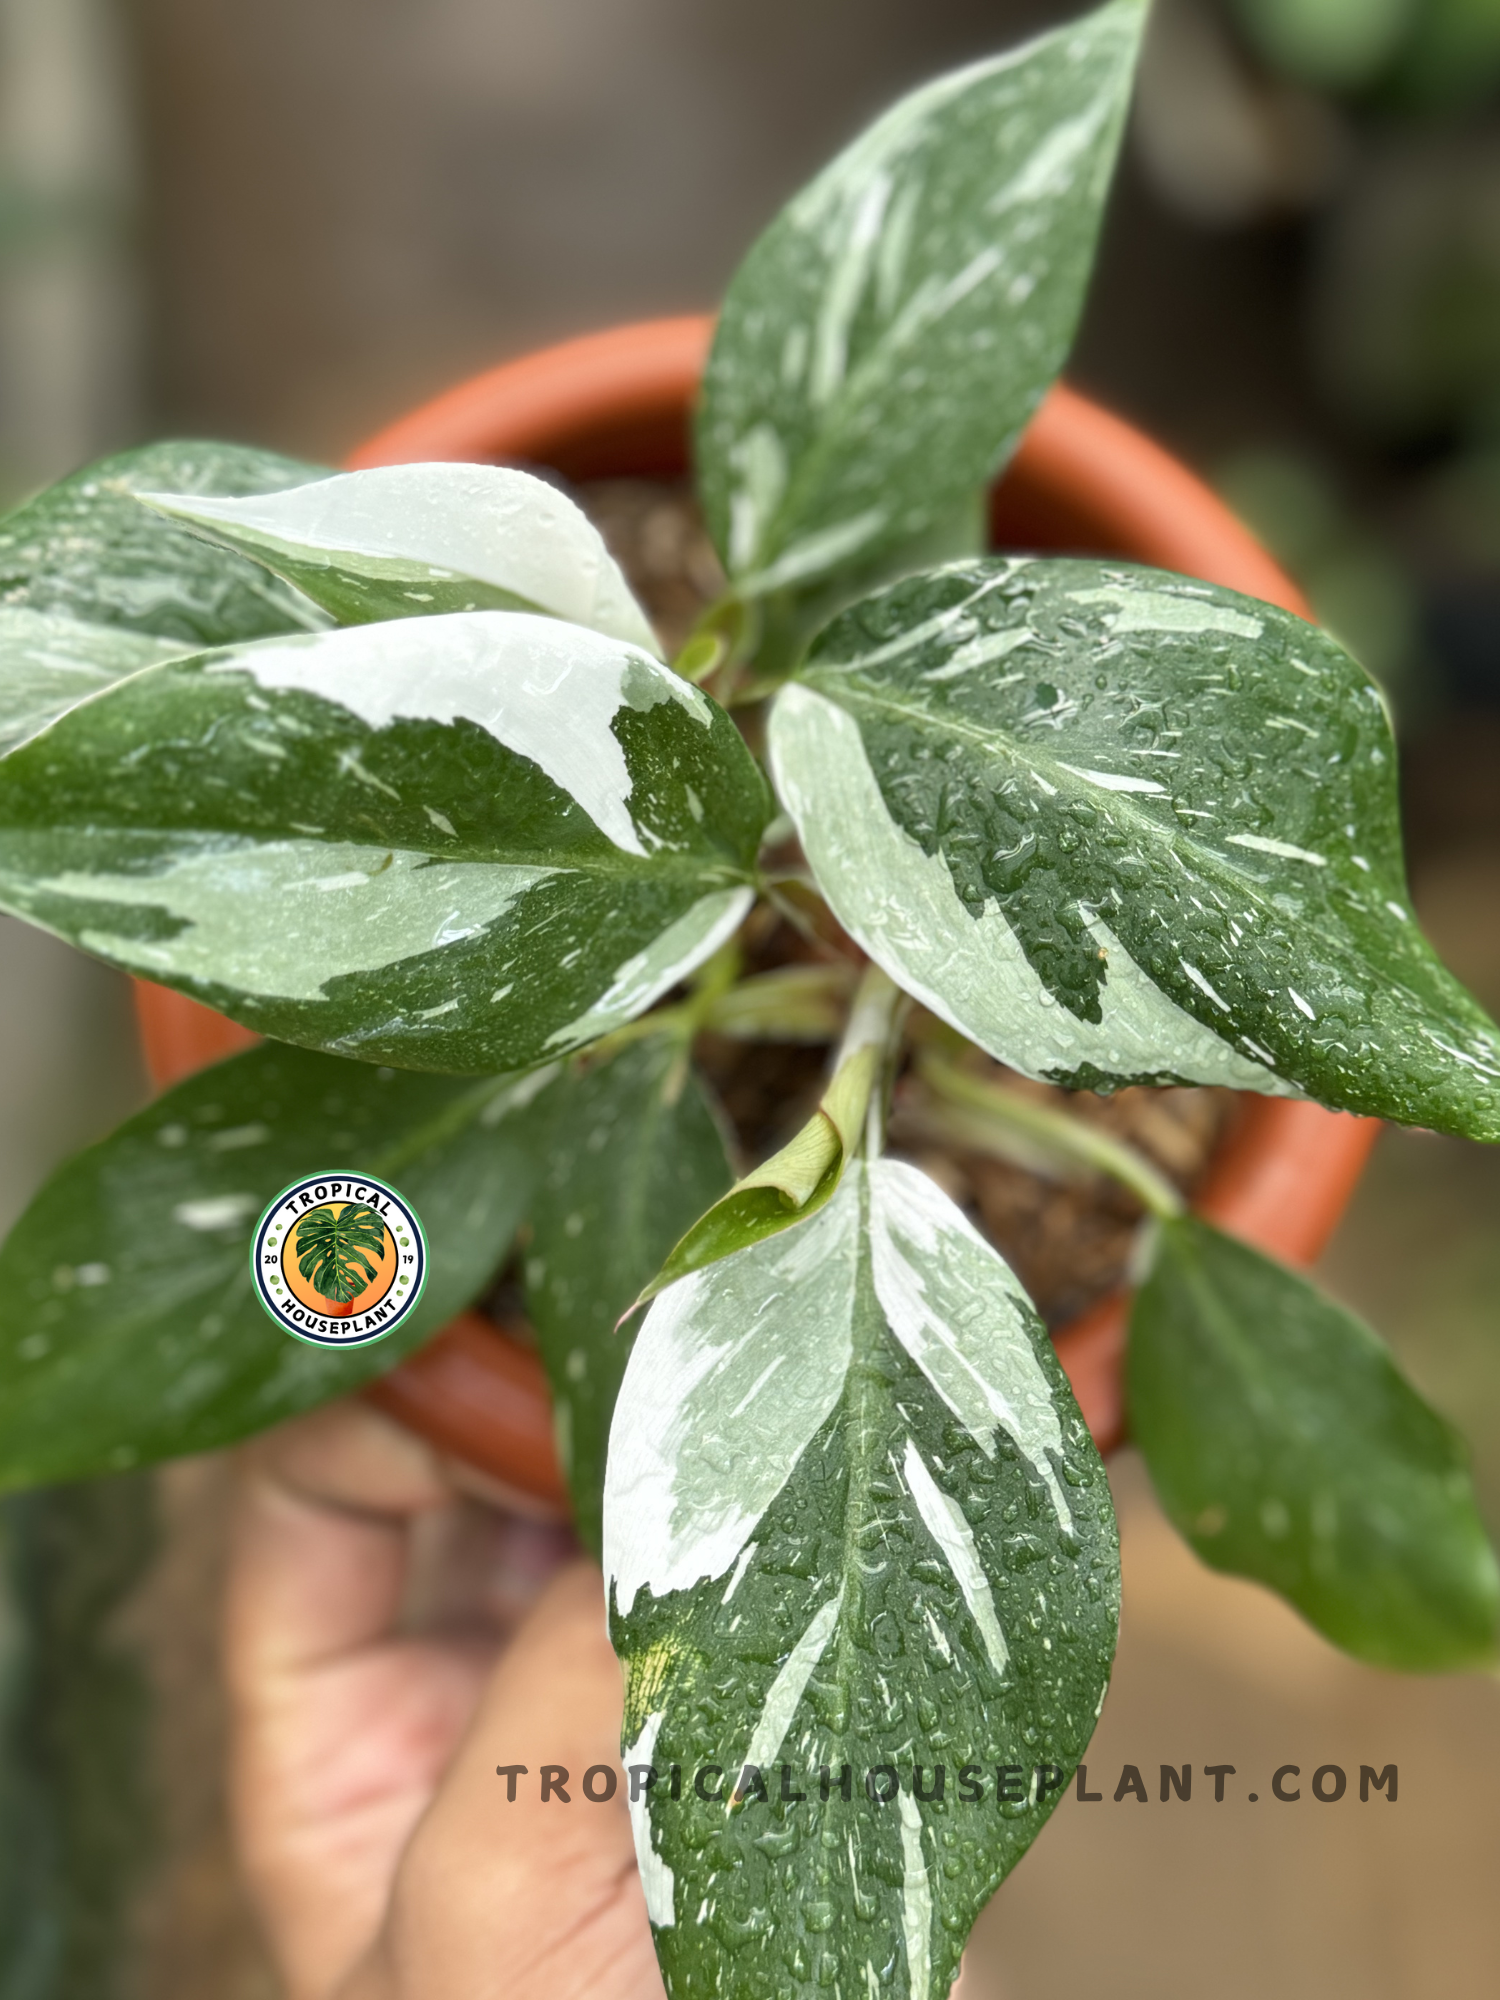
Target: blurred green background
[285,223]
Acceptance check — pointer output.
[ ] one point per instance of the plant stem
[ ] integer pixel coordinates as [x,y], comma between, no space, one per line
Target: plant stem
[798,1003]
[984,1104]
[662,1021]
[865,1057]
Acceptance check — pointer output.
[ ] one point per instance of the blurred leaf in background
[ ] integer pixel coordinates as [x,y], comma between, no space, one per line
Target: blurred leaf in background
[1360,586]
[75,1811]
[1405,287]
[1330,44]
[1412,54]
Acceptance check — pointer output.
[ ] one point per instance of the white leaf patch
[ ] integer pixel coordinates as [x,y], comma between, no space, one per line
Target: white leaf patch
[416,523]
[691,1469]
[916,1900]
[645,977]
[790,1684]
[959,1311]
[944,1520]
[216,1211]
[656,1876]
[1178,612]
[48,664]
[280,919]
[901,905]
[546,690]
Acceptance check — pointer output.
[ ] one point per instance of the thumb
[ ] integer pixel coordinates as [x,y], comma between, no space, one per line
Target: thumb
[529,1898]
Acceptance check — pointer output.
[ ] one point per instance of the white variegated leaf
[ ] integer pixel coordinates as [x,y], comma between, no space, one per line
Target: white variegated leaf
[852,1518]
[469,842]
[408,541]
[1118,826]
[885,342]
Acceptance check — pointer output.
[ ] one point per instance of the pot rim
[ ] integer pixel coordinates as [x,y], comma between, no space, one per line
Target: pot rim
[619,403]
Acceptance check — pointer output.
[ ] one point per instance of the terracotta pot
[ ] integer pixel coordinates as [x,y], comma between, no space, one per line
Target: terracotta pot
[619,403]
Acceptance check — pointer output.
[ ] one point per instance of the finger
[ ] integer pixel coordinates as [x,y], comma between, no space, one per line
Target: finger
[528,1898]
[321,1541]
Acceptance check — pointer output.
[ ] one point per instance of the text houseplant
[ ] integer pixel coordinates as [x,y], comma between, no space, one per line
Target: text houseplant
[387,767]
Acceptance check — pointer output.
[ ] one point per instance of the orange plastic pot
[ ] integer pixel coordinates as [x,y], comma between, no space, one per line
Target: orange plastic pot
[618,404]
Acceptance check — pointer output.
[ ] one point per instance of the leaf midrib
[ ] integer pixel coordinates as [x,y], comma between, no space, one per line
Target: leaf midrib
[1216,867]
[867,1328]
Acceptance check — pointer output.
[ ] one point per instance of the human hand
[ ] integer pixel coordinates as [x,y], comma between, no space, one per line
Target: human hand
[375,1835]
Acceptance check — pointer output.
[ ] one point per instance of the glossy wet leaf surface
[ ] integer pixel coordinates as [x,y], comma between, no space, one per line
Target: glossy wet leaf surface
[129,1330]
[407,541]
[470,842]
[1119,826]
[1286,1447]
[86,548]
[853,1520]
[630,1154]
[883,345]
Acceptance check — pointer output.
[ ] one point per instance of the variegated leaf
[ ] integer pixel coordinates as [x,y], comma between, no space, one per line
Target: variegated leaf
[86,548]
[48,664]
[1119,827]
[885,342]
[129,1330]
[471,842]
[1287,1447]
[629,1152]
[409,541]
[853,1523]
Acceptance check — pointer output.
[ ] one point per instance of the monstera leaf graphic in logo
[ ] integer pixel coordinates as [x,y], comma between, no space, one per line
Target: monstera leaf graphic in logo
[332,1246]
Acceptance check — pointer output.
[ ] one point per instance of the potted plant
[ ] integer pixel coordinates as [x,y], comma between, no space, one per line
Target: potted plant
[621,403]
[387,767]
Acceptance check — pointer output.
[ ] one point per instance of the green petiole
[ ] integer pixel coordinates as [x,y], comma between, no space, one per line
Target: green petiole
[990,1117]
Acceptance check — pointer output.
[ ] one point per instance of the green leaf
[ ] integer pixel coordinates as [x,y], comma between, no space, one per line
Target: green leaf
[631,1153]
[334,1250]
[884,344]
[413,540]
[129,1330]
[1286,1447]
[471,842]
[852,1519]
[85,548]
[1120,827]
[806,1172]
[48,664]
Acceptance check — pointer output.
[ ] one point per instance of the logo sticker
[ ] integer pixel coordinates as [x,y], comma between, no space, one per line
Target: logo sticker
[339,1260]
